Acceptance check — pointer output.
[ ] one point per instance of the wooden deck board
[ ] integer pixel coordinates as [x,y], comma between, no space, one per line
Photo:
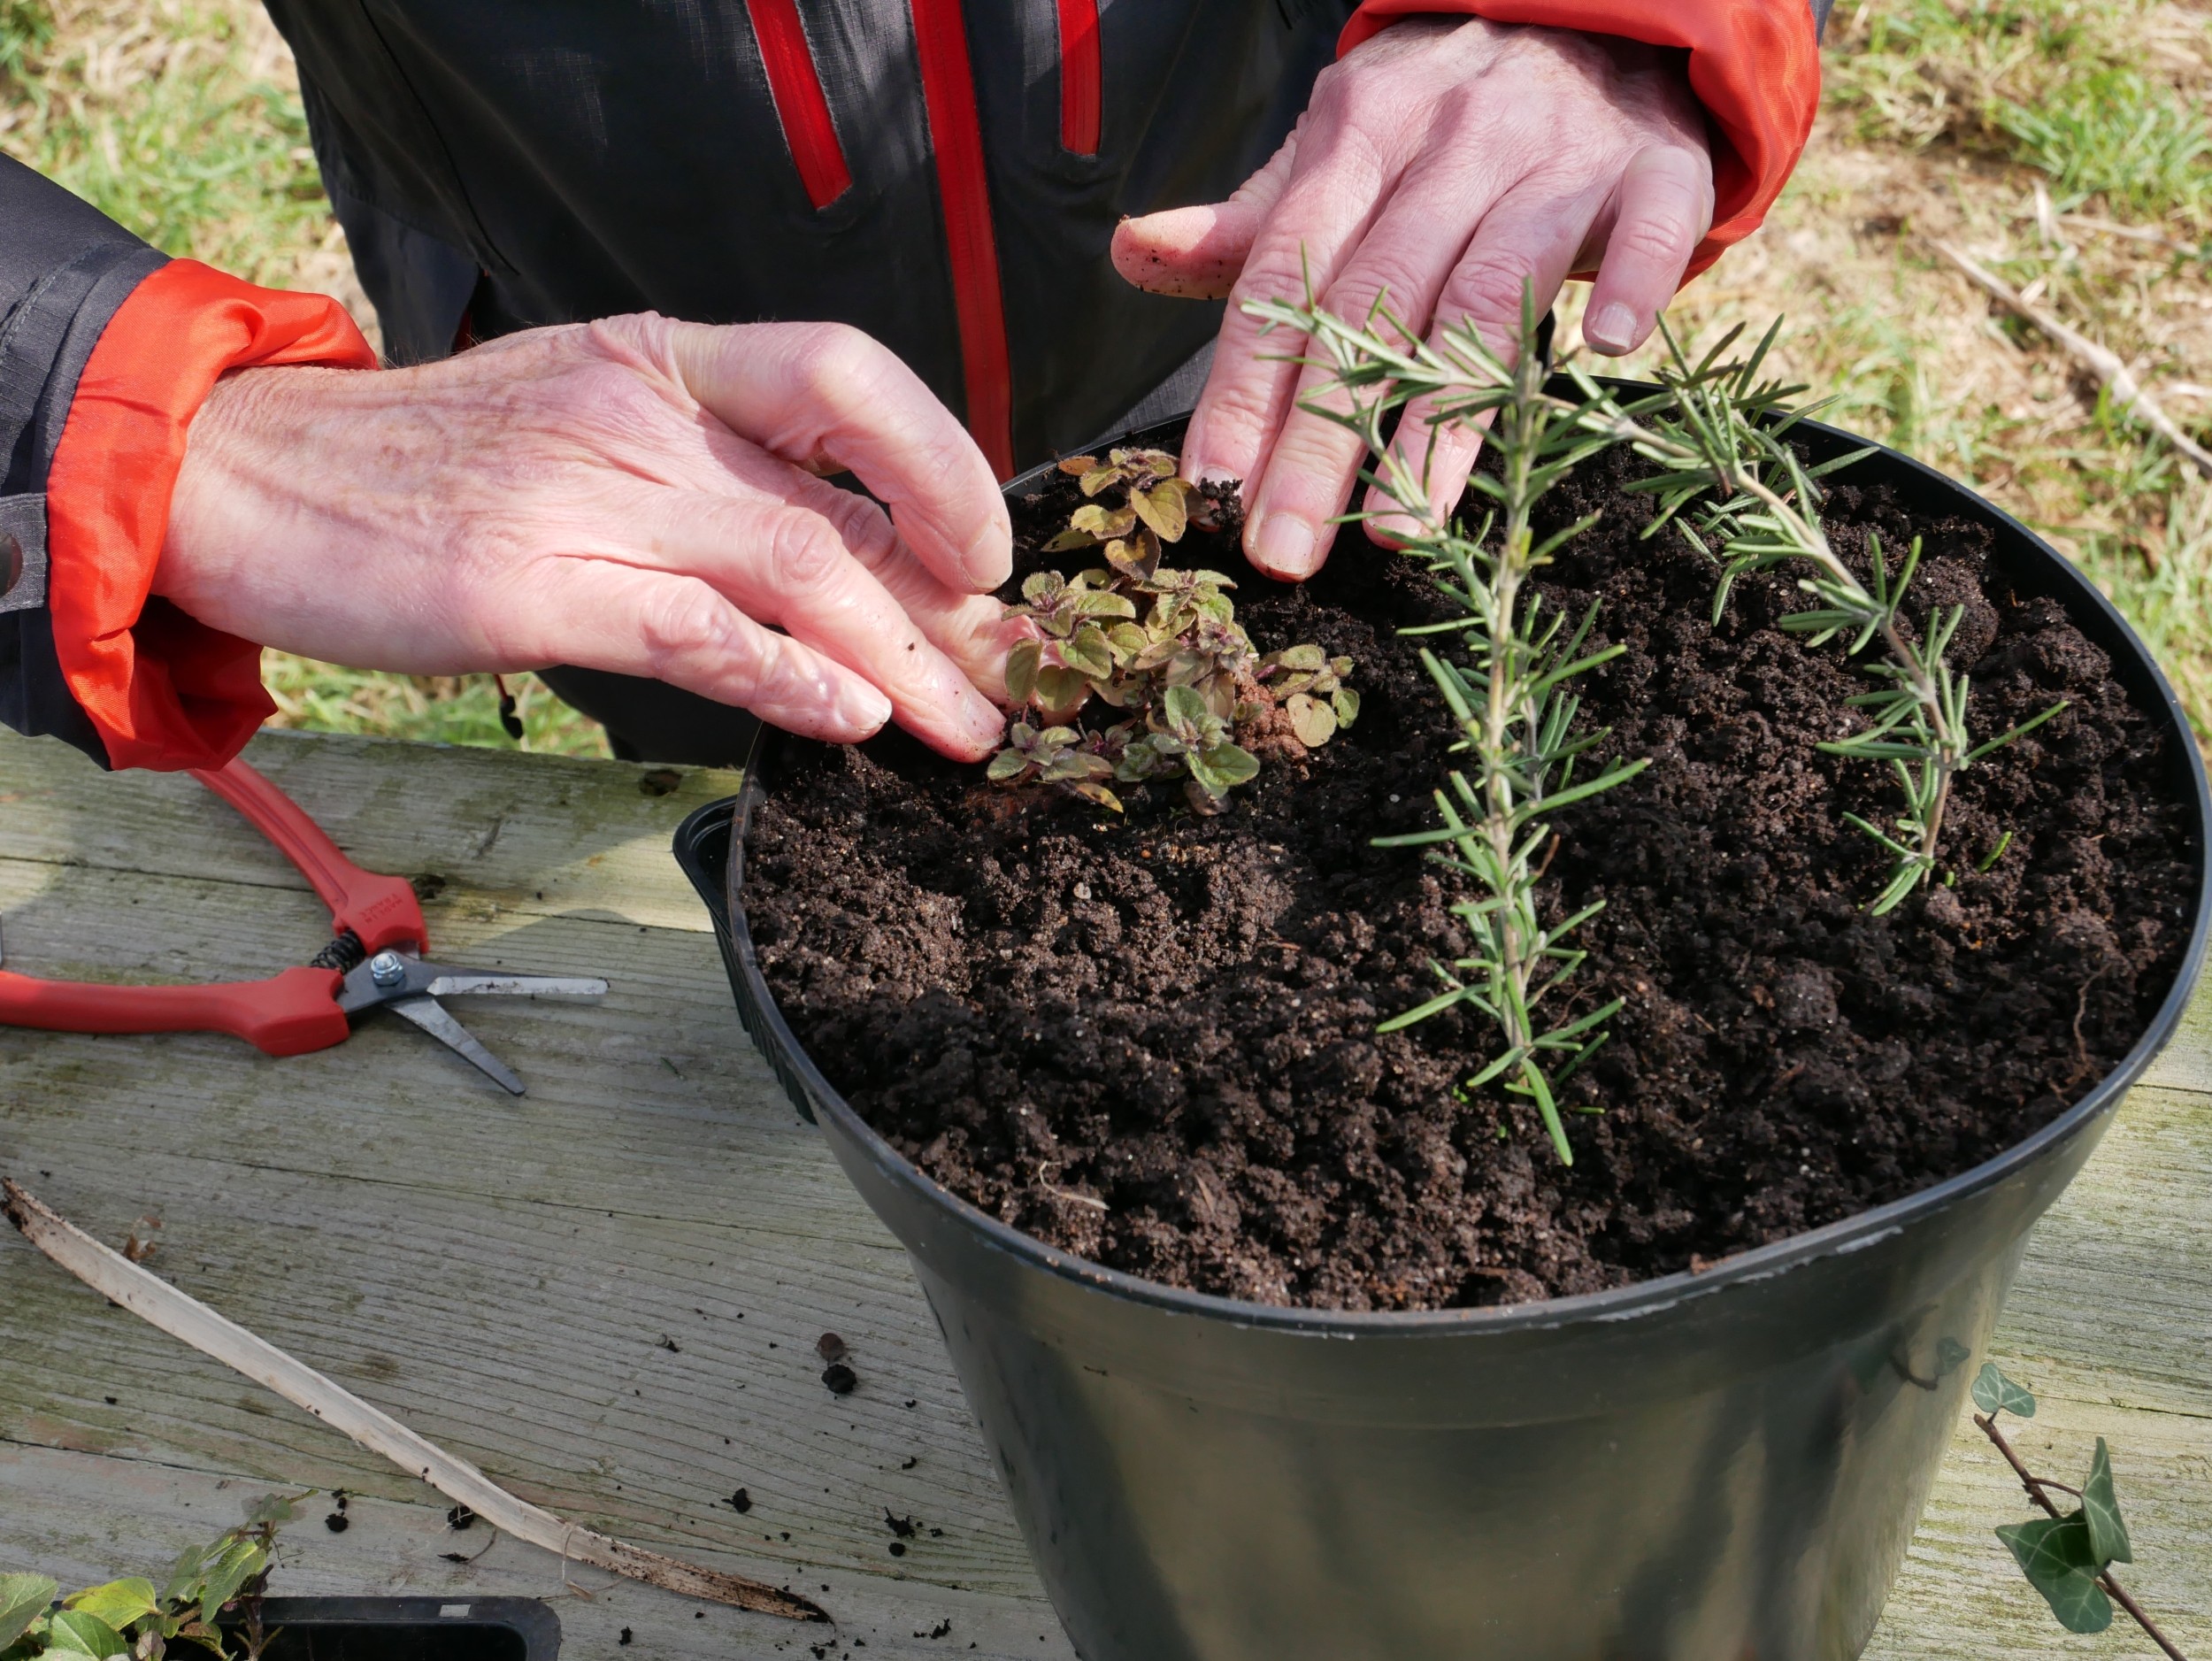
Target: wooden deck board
[502,1274]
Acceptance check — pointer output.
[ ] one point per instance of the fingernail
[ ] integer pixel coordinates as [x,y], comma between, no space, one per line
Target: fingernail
[864,707]
[985,721]
[1283,546]
[988,558]
[1612,329]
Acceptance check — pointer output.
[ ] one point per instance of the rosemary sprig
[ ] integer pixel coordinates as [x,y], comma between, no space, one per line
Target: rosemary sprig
[1719,438]
[1510,696]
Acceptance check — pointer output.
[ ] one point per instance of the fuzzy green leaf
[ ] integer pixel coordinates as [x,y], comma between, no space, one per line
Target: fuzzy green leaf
[1061,692]
[239,1562]
[23,1599]
[1117,605]
[1091,790]
[1994,1393]
[1307,658]
[1223,767]
[1071,540]
[1086,650]
[1345,701]
[2100,1511]
[2055,1556]
[1007,764]
[119,1603]
[1314,721]
[1022,664]
[1041,585]
[74,1633]
[1163,509]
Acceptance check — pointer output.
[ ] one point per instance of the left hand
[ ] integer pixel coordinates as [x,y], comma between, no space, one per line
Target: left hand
[1449,163]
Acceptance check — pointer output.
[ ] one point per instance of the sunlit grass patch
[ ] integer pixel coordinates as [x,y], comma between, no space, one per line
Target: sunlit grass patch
[443,709]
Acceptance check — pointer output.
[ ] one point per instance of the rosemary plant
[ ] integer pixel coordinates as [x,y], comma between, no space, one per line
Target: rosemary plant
[1510,696]
[1719,437]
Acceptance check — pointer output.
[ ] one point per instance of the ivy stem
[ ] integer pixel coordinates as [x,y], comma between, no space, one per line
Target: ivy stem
[2034,1485]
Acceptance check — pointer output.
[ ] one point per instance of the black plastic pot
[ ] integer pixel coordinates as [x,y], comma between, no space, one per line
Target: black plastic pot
[410,1629]
[1698,1467]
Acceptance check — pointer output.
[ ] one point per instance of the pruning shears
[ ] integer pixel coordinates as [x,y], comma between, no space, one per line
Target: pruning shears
[372,961]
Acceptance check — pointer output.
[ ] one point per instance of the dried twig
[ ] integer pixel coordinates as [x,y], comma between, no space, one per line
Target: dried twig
[154,1300]
[2111,374]
[2035,1486]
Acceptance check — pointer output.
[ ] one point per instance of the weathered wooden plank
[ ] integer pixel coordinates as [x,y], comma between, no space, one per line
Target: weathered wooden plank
[539,835]
[95,1516]
[502,1274]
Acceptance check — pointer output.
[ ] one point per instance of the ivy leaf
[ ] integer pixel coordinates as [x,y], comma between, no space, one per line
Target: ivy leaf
[1162,508]
[1951,1355]
[119,1603]
[23,1599]
[1223,767]
[2100,1511]
[1345,701]
[2055,1554]
[1314,721]
[1994,1393]
[73,1632]
[1022,664]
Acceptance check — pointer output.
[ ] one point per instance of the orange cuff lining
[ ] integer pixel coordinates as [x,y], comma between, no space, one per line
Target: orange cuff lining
[162,690]
[1754,64]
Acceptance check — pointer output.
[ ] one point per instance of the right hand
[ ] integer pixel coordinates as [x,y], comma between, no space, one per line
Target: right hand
[633,495]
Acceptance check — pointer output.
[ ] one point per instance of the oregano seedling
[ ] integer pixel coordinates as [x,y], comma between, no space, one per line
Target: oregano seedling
[1164,645]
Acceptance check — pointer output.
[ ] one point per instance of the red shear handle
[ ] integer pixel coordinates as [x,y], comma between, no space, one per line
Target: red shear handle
[382,910]
[286,1015]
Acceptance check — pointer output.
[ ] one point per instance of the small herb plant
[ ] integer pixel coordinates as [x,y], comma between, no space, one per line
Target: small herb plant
[1510,696]
[1161,645]
[2068,1557]
[130,1618]
[1719,436]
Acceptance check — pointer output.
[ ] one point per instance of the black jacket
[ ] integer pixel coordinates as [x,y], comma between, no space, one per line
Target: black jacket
[945,174]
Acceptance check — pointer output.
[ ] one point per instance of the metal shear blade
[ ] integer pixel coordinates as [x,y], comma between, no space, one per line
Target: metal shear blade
[410,988]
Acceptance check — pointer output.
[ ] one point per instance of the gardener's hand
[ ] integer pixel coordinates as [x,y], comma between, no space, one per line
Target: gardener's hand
[1449,163]
[634,495]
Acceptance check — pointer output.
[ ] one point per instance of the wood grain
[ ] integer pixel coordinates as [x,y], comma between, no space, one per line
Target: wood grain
[607,1292]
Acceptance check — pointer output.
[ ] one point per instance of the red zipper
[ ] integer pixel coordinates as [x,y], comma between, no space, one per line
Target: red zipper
[940,39]
[796,86]
[1080,75]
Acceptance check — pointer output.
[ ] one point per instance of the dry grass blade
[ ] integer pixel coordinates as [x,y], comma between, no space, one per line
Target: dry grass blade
[2105,365]
[155,1301]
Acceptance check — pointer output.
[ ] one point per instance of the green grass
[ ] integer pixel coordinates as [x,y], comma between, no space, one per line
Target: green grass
[2057,85]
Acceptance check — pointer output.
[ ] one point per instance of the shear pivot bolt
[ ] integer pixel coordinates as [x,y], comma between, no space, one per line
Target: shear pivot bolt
[386,969]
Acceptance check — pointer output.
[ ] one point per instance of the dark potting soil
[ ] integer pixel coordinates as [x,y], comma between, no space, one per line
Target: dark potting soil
[1150,1039]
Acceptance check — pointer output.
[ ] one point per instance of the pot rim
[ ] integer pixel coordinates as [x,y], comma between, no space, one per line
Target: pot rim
[1628,1303]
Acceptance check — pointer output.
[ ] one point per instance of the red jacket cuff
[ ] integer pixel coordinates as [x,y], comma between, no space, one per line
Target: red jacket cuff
[162,690]
[1754,64]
